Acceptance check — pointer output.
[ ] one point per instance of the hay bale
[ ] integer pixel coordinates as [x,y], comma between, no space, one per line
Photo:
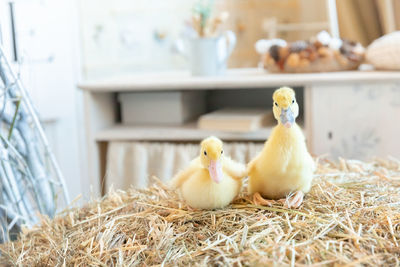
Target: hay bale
[351,216]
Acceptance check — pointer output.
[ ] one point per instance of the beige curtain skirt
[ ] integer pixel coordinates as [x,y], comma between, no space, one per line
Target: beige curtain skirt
[131,164]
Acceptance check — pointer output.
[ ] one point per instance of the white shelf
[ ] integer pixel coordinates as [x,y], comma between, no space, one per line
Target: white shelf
[234,79]
[188,132]
[101,108]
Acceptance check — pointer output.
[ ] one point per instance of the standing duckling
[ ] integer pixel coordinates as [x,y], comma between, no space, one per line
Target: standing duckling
[284,168]
[211,180]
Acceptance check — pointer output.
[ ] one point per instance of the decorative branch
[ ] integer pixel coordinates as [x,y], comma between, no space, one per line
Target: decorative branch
[28,183]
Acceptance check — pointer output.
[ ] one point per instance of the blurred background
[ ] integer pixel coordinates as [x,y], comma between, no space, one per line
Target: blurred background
[125,89]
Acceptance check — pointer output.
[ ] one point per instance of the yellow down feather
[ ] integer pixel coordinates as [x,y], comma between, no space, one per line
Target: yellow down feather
[284,165]
[195,184]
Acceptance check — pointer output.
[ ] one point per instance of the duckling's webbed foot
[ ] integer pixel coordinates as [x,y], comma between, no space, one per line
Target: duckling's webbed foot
[295,200]
[259,200]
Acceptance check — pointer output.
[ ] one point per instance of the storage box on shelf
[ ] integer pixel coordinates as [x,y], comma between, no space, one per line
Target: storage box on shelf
[161,108]
[237,120]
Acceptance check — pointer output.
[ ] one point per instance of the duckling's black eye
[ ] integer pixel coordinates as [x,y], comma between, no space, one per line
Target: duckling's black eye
[276,104]
[293,101]
[222,152]
[205,153]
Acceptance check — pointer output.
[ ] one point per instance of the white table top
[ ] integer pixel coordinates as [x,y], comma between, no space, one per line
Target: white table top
[234,78]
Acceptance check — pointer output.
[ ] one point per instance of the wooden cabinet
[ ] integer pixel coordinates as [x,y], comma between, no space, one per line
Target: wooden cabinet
[350,114]
[355,120]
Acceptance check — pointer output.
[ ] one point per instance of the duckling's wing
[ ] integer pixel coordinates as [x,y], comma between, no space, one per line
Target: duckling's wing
[183,175]
[252,163]
[234,169]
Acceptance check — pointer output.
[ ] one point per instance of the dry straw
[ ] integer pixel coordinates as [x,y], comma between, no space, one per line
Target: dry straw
[350,218]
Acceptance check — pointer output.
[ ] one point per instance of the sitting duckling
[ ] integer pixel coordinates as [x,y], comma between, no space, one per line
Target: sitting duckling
[211,180]
[284,168]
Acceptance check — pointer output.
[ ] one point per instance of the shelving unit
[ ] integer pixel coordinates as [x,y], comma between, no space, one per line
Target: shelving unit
[343,94]
[188,132]
[234,79]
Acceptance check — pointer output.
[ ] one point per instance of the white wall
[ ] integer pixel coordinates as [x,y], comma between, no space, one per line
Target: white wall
[121,36]
[47,38]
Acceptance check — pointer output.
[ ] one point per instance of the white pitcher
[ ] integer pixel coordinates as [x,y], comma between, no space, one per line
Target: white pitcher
[208,56]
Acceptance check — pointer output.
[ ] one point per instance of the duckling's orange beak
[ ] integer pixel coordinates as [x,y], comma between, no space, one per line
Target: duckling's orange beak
[215,170]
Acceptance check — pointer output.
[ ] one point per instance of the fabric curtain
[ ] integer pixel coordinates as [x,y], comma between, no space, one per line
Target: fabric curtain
[131,164]
[367,20]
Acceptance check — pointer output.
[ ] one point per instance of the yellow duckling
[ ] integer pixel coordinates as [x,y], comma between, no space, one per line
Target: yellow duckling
[284,168]
[211,180]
